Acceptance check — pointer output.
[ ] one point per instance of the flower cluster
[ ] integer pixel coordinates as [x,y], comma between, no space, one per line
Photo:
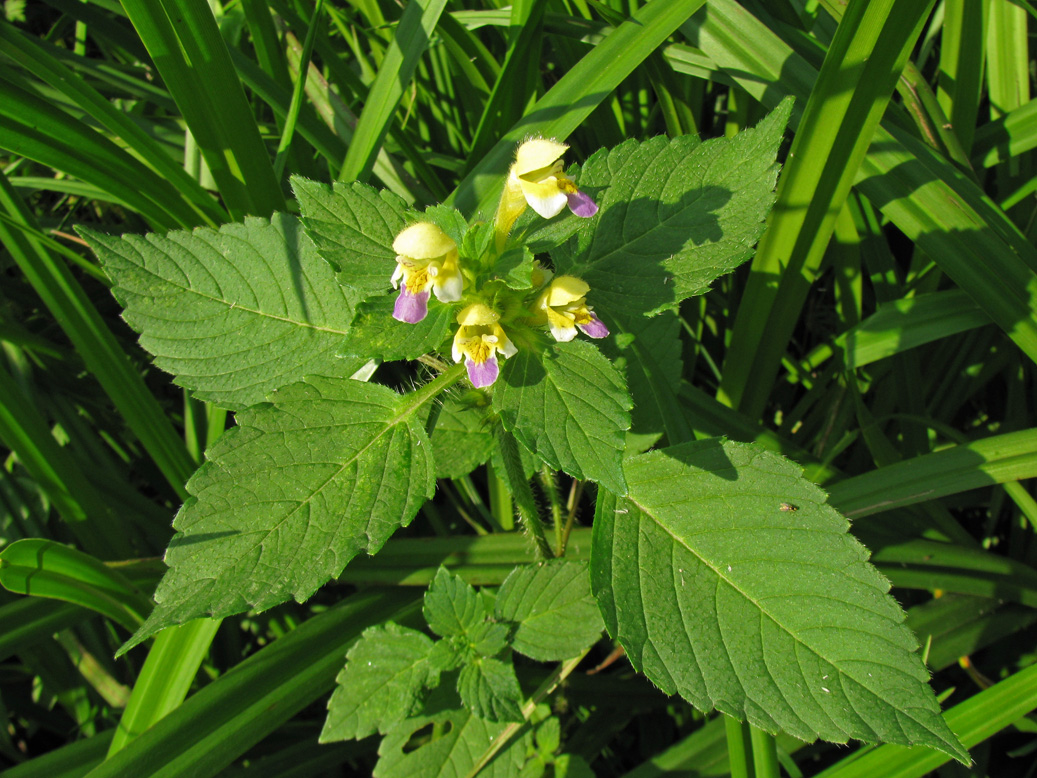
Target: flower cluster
[428,262]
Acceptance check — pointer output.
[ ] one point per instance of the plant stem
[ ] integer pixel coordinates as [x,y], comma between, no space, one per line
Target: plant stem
[765,754]
[521,491]
[739,748]
[548,479]
[501,507]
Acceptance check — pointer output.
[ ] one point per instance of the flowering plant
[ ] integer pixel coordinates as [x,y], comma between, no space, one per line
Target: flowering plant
[559,308]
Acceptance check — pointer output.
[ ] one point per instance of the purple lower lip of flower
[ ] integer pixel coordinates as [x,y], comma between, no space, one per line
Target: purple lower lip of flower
[410,308]
[482,374]
[594,328]
[581,205]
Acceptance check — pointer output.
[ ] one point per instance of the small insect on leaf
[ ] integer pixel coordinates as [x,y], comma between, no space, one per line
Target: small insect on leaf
[788,507]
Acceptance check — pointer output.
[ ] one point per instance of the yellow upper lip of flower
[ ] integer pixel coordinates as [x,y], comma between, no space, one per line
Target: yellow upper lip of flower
[423,241]
[538,158]
[563,291]
[477,314]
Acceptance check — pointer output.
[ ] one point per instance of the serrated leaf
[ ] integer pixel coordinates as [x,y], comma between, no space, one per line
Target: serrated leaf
[569,407]
[460,739]
[449,220]
[489,689]
[674,214]
[451,606]
[233,314]
[353,226]
[515,268]
[445,656]
[729,580]
[463,437]
[329,468]
[376,334]
[383,682]
[489,638]
[553,607]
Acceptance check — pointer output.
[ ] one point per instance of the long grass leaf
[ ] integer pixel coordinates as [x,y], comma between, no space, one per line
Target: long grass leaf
[219,723]
[94,342]
[33,57]
[180,35]
[36,129]
[413,34]
[845,105]
[946,214]
[165,679]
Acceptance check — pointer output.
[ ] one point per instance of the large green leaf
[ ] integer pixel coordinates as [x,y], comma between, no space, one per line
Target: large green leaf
[675,214]
[233,314]
[570,407]
[729,580]
[302,485]
[353,227]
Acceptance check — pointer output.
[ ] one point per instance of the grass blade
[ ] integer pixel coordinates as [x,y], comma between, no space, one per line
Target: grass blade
[401,59]
[845,105]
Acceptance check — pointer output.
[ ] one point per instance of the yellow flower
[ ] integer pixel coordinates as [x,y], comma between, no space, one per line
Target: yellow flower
[426,259]
[563,307]
[478,341]
[537,179]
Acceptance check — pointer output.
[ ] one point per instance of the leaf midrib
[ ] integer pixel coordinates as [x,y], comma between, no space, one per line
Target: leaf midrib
[662,525]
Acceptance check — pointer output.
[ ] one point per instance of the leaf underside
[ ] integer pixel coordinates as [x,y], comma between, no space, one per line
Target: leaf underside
[331,467]
[729,580]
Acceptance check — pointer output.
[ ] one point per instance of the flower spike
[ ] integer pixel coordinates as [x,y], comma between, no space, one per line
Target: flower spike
[426,261]
[478,341]
[563,307]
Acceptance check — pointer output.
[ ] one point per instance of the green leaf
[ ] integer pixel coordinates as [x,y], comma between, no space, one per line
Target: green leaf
[452,607]
[568,406]
[331,467]
[489,689]
[515,268]
[463,437]
[728,579]
[43,568]
[353,227]
[553,607]
[488,638]
[674,215]
[376,334]
[449,220]
[459,740]
[383,683]
[233,314]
